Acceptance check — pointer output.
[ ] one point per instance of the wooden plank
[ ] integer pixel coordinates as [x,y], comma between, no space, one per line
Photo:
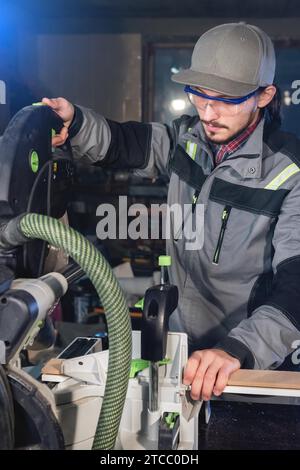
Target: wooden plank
[266,379]
[53,367]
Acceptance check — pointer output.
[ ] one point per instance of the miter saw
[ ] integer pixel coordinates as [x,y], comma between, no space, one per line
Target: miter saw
[136,384]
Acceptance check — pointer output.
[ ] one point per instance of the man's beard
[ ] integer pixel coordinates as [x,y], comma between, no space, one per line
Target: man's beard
[226,141]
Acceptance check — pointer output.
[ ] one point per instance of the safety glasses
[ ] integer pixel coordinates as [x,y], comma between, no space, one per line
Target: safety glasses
[224,106]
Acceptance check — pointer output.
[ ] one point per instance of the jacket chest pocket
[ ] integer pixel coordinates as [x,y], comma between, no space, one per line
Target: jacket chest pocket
[240,218]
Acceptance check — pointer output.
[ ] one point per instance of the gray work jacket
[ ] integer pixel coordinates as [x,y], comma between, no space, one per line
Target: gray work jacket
[240,291]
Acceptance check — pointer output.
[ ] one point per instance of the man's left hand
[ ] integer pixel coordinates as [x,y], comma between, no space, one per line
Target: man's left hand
[208,371]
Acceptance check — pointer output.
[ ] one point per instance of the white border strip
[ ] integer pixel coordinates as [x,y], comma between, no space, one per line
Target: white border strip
[281,392]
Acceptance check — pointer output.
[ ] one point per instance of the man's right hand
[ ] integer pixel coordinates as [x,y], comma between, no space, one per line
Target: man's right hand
[65,110]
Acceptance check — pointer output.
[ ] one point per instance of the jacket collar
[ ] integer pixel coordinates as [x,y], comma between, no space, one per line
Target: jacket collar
[247,160]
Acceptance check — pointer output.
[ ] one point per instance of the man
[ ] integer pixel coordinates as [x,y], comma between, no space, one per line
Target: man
[239,294]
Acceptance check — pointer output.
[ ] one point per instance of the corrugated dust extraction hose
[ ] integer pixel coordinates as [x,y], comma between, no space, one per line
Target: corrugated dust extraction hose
[116,310]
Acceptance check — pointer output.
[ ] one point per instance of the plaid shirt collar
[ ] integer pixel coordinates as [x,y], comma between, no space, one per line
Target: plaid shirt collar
[222,152]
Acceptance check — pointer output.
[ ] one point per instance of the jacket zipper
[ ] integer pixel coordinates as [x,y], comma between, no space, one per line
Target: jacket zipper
[195,199]
[194,203]
[224,219]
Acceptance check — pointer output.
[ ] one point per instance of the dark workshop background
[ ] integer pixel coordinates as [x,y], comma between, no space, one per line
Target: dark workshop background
[117,55]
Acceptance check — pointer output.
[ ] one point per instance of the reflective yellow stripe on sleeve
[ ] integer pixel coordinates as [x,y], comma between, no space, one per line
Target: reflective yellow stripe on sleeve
[282,177]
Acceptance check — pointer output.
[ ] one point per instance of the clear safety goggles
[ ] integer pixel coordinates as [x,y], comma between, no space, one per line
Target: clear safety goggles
[224,106]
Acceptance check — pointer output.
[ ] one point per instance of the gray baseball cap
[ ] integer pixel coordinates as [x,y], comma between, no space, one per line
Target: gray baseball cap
[233,59]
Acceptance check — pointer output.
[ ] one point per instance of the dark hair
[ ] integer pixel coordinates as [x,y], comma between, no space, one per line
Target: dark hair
[273,109]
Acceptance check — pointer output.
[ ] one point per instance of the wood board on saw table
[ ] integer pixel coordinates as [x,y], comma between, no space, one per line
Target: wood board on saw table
[240,378]
[265,378]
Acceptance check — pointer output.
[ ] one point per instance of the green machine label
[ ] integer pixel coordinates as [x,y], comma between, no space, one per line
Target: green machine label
[34,161]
